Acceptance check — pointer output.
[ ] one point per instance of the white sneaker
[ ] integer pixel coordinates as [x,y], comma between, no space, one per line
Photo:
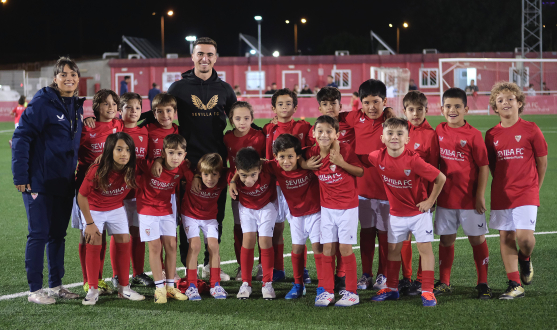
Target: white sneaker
[259,275]
[224,276]
[41,297]
[324,299]
[268,291]
[348,299]
[206,272]
[364,282]
[238,274]
[193,293]
[61,292]
[380,282]
[127,293]
[218,292]
[92,297]
[244,292]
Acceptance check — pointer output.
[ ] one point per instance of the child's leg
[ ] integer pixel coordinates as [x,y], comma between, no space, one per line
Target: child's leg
[278,246]
[191,260]
[214,260]
[340,270]
[248,246]
[122,249]
[238,236]
[351,268]
[267,257]
[93,261]
[509,254]
[481,256]
[83,255]
[446,257]
[406,257]
[383,252]
[138,252]
[367,218]
[328,266]
[318,254]
[169,243]
[526,242]
[428,265]
[102,254]
[298,263]
[393,267]
[155,247]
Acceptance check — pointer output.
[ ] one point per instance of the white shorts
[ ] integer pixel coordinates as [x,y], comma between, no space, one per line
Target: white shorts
[521,217]
[236,211]
[76,215]
[448,220]
[210,228]
[115,221]
[373,213]
[419,225]
[305,226]
[152,227]
[339,226]
[131,211]
[261,221]
[283,209]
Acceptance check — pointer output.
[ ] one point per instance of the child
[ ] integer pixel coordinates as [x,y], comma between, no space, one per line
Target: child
[258,210]
[301,191]
[284,104]
[402,172]
[464,162]
[424,142]
[198,212]
[243,135]
[100,200]
[355,101]
[91,145]
[517,154]
[339,208]
[18,111]
[157,224]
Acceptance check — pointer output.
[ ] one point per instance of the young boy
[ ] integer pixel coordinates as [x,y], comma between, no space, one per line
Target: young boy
[301,191]
[464,162]
[284,103]
[18,111]
[199,213]
[402,171]
[157,224]
[424,142]
[517,154]
[254,186]
[339,208]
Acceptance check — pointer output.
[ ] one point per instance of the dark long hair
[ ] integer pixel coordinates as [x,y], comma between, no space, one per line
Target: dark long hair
[59,67]
[106,165]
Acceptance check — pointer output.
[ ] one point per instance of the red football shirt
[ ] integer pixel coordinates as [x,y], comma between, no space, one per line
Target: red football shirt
[346,133]
[140,137]
[402,177]
[512,153]
[156,138]
[355,105]
[462,152]
[300,188]
[106,200]
[254,139]
[202,205]
[262,193]
[153,194]
[299,129]
[18,112]
[424,142]
[337,187]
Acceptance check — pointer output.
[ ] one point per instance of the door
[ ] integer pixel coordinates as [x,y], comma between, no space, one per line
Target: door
[290,78]
[120,77]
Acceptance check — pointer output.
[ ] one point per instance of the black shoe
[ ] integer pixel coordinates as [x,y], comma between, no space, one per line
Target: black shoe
[415,288]
[404,286]
[526,271]
[340,283]
[441,288]
[144,280]
[484,291]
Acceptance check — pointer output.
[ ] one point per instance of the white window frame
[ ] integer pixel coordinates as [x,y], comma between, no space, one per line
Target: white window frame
[165,85]
[429,84]
[117,84]
[514,73]
[298,72]
[222,75]
[339,82]
[251,88]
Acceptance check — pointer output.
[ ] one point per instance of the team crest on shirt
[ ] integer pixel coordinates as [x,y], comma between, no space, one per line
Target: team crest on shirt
[362,120]
[518,137]
[176,176]
[113,130]
[496,143]
[301,135]
[93,135]
[155,140]
[440,138]
[343,132]
[382,167]
[416,145]
[148,231]
[462,143]
[333,167]
[407,172]
[141,138]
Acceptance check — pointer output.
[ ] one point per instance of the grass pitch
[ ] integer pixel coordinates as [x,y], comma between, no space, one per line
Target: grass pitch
[459,310]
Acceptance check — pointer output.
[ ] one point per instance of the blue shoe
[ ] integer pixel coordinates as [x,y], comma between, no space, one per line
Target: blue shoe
[428,299]
[385,294]
[297,291]
[319,291]
[278,275]
[307,279]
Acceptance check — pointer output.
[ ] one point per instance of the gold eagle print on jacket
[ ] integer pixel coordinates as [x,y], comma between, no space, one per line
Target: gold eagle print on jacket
[210,105]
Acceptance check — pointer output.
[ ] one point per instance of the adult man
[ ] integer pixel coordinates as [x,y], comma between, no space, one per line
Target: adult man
[153,92]
[472,88]
[331,82]
[412,85]
[124,85]
[273,89]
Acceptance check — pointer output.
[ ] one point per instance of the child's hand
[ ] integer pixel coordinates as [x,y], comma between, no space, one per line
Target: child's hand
[90,232]
[336,158]
[196,185]
[97,160]
[89,122]
[274,121]
[425,205]
[156,169]
[314,163]
[388,112]
[232,191]
[480,204]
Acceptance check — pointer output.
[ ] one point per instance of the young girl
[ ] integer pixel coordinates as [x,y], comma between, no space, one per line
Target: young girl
[100,199]
[243,135]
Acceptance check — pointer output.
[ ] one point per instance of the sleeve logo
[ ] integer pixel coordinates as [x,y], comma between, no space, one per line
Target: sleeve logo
[210,105]
[416,145]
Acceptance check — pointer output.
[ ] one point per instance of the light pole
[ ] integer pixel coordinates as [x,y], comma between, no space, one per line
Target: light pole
[191,39]
[303,20]
[259,19]
[170,13]
[405,25]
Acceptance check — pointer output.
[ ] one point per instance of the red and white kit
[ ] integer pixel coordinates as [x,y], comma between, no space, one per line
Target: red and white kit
[346,132]
[140,137]
[156,138]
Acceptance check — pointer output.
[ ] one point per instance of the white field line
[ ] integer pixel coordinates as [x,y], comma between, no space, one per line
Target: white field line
[73,285]
[7,131]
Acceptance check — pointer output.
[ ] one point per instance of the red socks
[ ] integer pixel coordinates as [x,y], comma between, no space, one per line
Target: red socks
[367,250]
[514,276]
[446,258]
[122,261]
[215,276]
[406,256]
[102,255]
[393,268]
[138,255]
[319,268]
[328,268]
[246,264]
[191,275]
[340,269]
[267,262]
[351,273]
[238,239]
[93,264]
[113,256]
[278,251]
[298,268]
[383,249]
[427,280]
[481,259]
[523,257]
[82,256]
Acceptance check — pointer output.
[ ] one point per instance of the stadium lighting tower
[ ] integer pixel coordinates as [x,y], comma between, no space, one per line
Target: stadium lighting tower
[259,19]
[191,40]
[4,1]
[404,25]
[276,53]
[304,21]
[169,13]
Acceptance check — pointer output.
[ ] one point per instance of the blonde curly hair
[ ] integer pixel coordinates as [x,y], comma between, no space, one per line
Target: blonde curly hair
[505,86]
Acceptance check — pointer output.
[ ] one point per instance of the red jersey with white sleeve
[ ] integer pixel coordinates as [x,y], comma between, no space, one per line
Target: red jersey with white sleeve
[300,189]
[424,142]
[153,194]
[462,152]
[346,133]
[337,187]
[104,200]
[402,177]
[512,153]
[156,138]
[263,192]
[368,138]
[298,128]
[201,205]
[254,139]
[18,111]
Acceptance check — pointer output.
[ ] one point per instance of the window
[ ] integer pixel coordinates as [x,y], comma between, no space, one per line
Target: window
[253,79]
[342,78]
[515,73]
[428,78]
[222,75]
[168,78]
